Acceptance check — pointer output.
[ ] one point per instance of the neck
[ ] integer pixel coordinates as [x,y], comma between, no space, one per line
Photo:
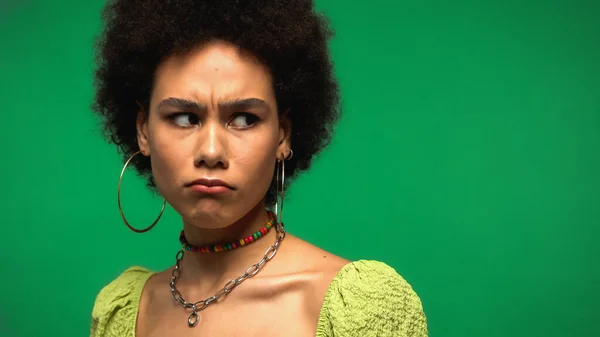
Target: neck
[219,267]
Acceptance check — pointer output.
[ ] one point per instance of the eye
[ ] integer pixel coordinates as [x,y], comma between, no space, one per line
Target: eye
[243,120]
[184,119]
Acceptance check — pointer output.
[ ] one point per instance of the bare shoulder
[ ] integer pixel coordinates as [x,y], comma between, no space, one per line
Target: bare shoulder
[300,255]
[301,258]
[313,270]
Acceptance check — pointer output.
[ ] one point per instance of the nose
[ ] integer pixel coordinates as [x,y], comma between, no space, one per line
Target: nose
[211,150]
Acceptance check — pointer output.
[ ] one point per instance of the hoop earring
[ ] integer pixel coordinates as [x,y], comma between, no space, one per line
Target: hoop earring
[280,190]
[119,201]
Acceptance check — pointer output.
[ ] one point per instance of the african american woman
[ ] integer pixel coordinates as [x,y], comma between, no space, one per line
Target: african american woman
[219,105]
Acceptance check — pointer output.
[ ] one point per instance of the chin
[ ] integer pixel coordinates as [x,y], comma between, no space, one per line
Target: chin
[213,213]
[209,211]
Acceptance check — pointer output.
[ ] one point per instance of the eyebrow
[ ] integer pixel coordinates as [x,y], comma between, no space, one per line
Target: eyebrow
[234,104]
[243,104]
[180,104]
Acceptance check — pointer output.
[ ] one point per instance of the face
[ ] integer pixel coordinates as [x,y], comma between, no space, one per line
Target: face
[213,134]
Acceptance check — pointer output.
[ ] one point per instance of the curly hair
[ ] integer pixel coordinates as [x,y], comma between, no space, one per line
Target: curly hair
[289,37]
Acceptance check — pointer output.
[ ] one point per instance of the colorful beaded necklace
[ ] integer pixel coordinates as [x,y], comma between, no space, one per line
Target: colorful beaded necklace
[229,246]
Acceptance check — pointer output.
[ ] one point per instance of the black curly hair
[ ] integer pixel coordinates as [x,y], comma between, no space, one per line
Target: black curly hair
[288,36]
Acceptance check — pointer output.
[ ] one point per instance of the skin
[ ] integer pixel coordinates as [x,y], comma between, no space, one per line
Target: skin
[197,127]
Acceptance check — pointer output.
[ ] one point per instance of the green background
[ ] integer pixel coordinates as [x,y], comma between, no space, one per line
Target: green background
[467,158]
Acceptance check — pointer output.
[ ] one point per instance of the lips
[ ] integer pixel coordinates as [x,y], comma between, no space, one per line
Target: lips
[210,183]
[210,186]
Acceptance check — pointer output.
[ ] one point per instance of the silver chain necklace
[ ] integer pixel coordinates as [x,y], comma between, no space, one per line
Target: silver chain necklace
[202,304]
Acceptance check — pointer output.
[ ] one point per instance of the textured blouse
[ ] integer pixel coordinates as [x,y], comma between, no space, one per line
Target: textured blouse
[366,298]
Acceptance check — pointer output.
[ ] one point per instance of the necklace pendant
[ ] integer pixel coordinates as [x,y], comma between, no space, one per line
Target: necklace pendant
[193,319]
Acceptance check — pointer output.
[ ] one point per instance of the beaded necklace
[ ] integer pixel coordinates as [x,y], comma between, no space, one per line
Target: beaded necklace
[228,246]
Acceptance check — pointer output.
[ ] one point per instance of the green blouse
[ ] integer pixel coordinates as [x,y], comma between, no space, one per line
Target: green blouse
[366,298]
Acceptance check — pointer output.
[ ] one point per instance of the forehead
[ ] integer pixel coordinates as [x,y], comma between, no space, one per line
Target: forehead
[216,70]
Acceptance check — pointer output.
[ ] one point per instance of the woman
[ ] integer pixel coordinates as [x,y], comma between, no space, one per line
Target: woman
[218,104]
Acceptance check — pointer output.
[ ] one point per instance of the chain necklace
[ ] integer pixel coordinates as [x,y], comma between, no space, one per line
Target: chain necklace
[229,286]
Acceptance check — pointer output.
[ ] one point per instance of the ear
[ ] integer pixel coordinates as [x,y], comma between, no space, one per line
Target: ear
[285,133]
[142,130]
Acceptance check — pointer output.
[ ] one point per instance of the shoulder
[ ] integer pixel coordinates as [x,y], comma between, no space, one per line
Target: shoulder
[369,298]
[116,305]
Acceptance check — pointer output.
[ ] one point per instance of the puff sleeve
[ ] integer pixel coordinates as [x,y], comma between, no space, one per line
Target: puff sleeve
[116,305]
[369,298]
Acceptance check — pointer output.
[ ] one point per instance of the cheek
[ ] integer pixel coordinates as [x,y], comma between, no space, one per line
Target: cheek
[257,161]
[258,175]
[168,155]
[256,164]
